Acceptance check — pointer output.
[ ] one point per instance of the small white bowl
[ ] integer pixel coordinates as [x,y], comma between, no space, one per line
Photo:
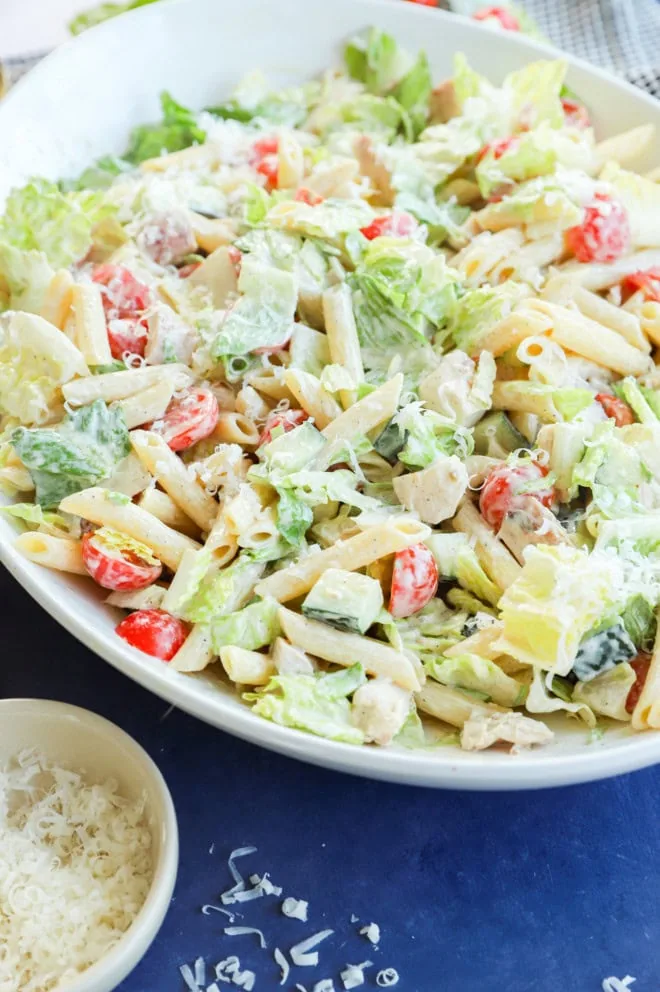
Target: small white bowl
[87,743]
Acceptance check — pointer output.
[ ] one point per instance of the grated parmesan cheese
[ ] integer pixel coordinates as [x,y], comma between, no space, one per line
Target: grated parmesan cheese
[75,869]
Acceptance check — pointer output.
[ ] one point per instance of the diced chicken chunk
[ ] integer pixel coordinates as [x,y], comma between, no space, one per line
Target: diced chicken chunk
[169,338]
[167,238]
[380,709]
[448,389]
[435,492]
[443,104]
[483,730]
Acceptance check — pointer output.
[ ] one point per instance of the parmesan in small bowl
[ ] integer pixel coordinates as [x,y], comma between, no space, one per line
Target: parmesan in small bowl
[88,849]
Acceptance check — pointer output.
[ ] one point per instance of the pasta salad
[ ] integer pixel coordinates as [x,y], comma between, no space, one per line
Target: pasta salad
[348,389]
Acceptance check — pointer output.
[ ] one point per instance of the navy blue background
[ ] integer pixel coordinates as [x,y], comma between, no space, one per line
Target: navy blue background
[513,892]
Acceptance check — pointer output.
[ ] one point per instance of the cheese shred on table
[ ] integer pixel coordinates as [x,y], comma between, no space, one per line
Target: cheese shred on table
[75,869]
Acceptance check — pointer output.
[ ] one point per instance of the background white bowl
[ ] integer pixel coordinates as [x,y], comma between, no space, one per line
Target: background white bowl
[87,743]
[81,103]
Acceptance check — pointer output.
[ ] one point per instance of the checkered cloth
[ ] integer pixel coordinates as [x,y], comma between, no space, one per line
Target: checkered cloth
[620,35]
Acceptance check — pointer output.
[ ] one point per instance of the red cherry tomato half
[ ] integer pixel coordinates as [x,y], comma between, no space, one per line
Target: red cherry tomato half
[603,235]
[501,14]
[127,335]
[124,296]
[617,409]
[414,580]
[264,158]
[187,270]
[641,666]
[117,562]
[189,419]
[308,196]
[499,147]
[648,282]
[398,224]
[425,3]
[288,419]
[575,113]
[498,495]
[153,631]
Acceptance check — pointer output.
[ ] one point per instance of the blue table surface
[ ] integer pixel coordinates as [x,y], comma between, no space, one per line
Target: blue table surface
[548,891]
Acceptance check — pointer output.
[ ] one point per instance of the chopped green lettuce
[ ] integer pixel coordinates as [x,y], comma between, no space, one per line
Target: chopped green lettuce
[539,700]
[27,275]
[561,594]
[641,200]
[330,220]
[318,704]
[294,516]
[639,619]
[39,217]
[607,693]
[253,101]
[413,92]
[292,451]
[479,310]
[177,130]
[470,671]
[402,291]
[457,559]
[544,200]
[251,628]
[85,448]
[430,436]
[263,315]
[219,593]
[100,175]
[33,515]
[376,60]
[629,390]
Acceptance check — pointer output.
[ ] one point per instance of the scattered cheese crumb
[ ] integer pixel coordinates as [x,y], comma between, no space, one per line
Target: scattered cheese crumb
[210,908]
[325,985]
[240,931]
[295,909]
[354,918]
[283,963]
[618,984]
[75,869]
[371,932]
[302,955]
[200,971]
[387,977]
[353,975]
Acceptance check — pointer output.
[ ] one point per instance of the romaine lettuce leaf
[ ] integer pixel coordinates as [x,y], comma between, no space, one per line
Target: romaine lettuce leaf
[561,594]
[27,275]
[263,315]
[86,448]
[316,703]
[251,628]
[429,436]
[402,290]
[479,310]
[222,592]
[376,60]
[40,217]
[177,130]
[607,693]
[470,671]
[100,175]
[329,220]
[294,516]
[413,92]
[33,515]
[544,200]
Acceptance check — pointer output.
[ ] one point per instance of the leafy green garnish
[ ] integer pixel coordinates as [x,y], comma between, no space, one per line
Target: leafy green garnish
[40,217]
[178,130]
[83,450]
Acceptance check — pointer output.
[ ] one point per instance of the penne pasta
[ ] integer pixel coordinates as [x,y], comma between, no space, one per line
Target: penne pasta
[113,386]
[499,563]
[352,554]
[343,337]
[147,405]
[163,506]
[58,297]
[60,553]
[90,326]
[321,406]
[175,478]
[341,648]
[96,505]
[368,413]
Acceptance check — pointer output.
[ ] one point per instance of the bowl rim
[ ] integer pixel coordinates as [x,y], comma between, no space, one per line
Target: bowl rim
[131,947]
[498,771]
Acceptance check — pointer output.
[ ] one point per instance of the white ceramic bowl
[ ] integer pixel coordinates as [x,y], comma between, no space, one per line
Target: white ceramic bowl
[87,743]
[82,101]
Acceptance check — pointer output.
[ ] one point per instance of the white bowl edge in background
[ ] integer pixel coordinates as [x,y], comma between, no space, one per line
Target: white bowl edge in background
[81,740]
[65,113]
